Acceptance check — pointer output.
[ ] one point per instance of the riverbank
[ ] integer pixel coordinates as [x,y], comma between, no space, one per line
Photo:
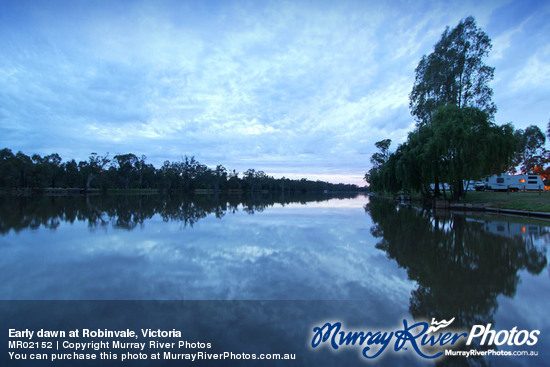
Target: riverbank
[536,204]
[529,201]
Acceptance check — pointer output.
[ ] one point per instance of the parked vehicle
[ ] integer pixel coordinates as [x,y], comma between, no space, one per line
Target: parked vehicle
[511,182]
[467,185]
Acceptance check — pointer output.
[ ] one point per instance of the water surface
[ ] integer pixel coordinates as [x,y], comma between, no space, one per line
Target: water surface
[387,261]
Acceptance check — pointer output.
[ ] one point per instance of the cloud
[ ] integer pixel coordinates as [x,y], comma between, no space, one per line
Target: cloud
[300,87]
[536,73]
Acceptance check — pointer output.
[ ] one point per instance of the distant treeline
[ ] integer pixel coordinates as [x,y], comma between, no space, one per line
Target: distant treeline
[128,171]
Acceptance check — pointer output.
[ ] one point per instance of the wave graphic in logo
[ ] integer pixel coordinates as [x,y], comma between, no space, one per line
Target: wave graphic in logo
[439,325]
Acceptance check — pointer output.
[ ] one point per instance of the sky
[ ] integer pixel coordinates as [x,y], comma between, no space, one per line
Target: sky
[301,89]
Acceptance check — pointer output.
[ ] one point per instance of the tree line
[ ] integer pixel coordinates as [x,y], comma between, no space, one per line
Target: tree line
[128,171]
[455,139]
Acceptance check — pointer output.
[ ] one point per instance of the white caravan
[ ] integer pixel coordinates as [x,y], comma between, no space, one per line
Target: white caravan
[513,182]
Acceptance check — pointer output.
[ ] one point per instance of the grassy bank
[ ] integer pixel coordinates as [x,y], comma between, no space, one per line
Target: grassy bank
[532,201]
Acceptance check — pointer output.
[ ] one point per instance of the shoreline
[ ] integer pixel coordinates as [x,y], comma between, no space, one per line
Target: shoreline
[484,208]
[487,205]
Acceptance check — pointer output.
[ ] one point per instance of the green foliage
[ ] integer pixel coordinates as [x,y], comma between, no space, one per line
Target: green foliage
[130,172]
[460,144]
[466,146]
[378,160]
[454,73]
[532,153]
[454,139]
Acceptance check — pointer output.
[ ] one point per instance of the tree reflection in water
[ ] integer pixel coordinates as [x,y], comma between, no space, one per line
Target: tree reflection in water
[460,268]
[131,211]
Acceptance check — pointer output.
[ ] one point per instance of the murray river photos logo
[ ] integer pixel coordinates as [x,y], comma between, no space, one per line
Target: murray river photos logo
[427,340]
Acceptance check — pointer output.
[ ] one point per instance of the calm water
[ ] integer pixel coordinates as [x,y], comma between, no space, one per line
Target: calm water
[384,261]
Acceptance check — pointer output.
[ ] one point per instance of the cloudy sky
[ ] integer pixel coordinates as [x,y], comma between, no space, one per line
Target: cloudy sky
[297,88]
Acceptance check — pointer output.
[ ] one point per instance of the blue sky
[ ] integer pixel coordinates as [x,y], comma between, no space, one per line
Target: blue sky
[296,89]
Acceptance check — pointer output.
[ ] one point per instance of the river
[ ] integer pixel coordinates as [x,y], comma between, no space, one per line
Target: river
[369,263]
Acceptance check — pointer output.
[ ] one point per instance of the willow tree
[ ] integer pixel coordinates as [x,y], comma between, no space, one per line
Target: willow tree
[454,73]
[460,144]
[418,166]
[467,145]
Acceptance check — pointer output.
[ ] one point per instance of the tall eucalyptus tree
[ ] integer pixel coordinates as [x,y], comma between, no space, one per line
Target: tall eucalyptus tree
[454,73]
